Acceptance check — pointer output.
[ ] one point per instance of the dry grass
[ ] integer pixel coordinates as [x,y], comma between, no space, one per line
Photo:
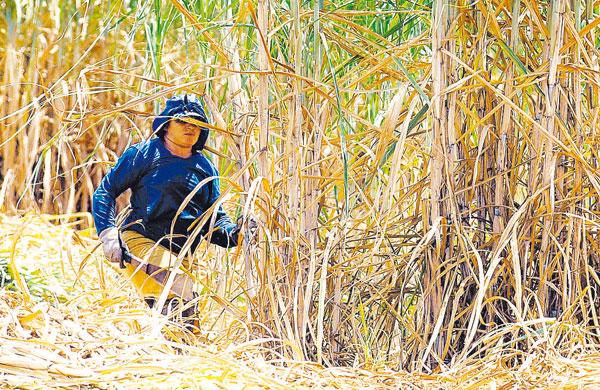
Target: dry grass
[425,178]
[93,332]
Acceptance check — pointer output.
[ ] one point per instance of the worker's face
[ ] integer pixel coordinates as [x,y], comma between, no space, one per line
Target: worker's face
[182,133]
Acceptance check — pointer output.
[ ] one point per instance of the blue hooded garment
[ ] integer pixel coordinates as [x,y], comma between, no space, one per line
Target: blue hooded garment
[160,182]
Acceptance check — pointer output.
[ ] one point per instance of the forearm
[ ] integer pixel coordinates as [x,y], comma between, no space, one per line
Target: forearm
[225,233]
[122,176]
[103,209]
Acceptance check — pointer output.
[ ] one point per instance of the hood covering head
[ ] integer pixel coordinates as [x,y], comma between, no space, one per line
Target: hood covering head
[180,106]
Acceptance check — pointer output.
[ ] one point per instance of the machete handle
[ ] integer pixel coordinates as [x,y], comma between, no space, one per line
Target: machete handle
[125,258]
[125,255]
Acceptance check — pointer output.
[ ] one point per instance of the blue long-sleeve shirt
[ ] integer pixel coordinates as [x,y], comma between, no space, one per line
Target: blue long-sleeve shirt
[160,182]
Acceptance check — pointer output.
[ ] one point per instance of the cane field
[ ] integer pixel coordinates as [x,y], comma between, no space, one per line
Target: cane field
[425,176]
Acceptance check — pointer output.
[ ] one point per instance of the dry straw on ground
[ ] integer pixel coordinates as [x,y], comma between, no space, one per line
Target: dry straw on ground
[70,333]
[92,332]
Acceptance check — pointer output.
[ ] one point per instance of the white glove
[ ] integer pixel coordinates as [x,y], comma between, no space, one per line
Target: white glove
[250,226]
[111,245]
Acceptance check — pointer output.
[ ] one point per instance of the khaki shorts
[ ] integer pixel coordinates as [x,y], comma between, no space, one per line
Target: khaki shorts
[150,278]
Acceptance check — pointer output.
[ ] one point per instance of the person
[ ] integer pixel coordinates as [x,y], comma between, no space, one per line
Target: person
[173,185]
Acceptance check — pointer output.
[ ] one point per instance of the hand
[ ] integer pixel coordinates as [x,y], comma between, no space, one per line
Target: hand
[111,244]
[250,226]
